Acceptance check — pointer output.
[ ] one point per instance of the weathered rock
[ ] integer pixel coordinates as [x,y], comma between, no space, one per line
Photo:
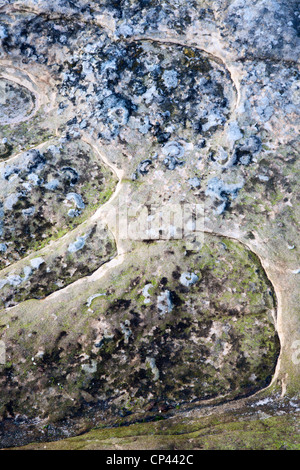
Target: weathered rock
[47,192]
[126,346]
[195,107]
[254,425]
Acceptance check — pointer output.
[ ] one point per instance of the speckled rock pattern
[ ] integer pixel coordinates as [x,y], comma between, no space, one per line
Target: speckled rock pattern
[145,334]
[144,104]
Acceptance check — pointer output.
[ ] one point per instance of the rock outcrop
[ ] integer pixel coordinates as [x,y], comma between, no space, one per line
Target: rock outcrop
[149,206]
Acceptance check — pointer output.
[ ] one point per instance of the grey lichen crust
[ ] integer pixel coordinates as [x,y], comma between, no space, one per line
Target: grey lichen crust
[16,102]
[184,103]
[46,192]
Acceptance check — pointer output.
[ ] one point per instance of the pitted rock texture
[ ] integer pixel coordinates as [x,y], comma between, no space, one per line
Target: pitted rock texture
[46,271]
[46,192]
[16,102]
[164,326]
[185,103]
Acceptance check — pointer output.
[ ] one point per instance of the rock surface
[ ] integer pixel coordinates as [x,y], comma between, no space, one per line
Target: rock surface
[252,426]
[149,207]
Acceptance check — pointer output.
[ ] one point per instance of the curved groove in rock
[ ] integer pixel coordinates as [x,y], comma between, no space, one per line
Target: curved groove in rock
[278,310]
[39,88]
[221,58]
[18,102]
[68,293]
[103,210]
[100,216]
